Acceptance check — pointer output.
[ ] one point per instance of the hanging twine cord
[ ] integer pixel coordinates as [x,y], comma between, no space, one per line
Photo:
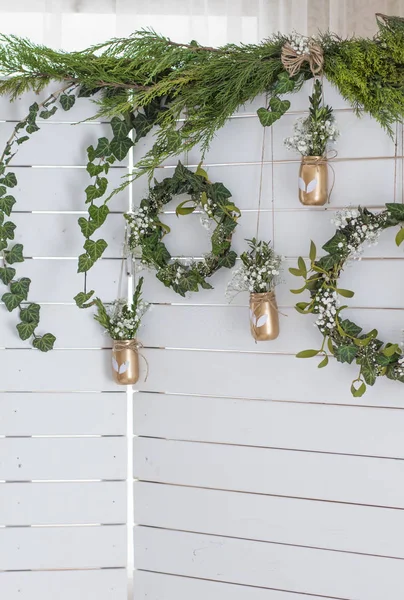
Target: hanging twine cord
[292,61]
[262,297]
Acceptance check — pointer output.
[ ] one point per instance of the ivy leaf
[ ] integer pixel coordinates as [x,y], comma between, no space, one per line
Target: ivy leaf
[102,184]
[396,211]
[32,128]
[228,260]
[93,169]
[3,190]
[9,180]
[368,371]
[350,328]
[46,114]
[267,117]
[87,227]
[120,147]
[346,353]
[98,214]
[7,230]
[6,204]
[15,254]
[119,127]
[85,263]
[12,300]
[285,84]
[21,286]
[142,125]
[26,330]
[357,392]
[332,246]
[44,343]
[219,193]
[95,249]
[92,193]
[22,139]
[81,299]
[7,274]
[279,106]
[307,353]
[102,148]
[30,314]
[400,237]
[67,101]
[328,262]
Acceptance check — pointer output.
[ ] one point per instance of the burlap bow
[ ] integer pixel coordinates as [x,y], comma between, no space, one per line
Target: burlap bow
[292,61]
[133,345]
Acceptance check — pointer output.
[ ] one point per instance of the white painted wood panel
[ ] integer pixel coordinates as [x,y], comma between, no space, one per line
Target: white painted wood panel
[362,480]
[156,586]
[58,144]
[260,376]
[275,566]
[22,459]
[58,189]
[272,424]
[30,370]
[63,414]
[62,547]
[326,525]
[97,584]
[60,235]
[62,503]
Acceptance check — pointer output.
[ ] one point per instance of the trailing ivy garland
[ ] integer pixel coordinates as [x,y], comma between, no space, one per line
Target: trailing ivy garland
[146,231]
[343,338]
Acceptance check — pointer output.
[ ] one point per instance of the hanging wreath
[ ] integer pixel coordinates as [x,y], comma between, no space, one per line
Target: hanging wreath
[146,230]
[343,338]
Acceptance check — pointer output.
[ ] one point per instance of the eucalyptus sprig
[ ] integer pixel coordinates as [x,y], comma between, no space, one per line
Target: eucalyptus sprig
[17,296]
[341,337]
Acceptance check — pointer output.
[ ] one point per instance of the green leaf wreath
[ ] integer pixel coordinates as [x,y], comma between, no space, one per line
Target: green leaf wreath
[341,337]
[146,230]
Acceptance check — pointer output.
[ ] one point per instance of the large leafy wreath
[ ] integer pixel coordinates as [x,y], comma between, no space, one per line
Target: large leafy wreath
[146,230]
[343,338]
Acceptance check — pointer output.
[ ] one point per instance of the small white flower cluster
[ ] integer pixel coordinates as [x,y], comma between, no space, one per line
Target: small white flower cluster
[261,279]
[178,274]
[140,224]
[209,207]
[299,43]
[308,136]
[260,271]
[362,233]
[326,305]
[126,321]
[399,370]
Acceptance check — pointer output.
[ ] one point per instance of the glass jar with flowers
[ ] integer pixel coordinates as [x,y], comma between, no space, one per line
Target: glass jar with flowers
[258,274]
[122,321]
[311,137]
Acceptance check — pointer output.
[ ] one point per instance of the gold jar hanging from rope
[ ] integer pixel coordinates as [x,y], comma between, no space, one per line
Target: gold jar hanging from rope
[125,362]
[313,181]
[264,316]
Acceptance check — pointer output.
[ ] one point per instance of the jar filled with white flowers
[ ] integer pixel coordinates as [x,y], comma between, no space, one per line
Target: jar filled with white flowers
[312,137]
[122,321]
[258,274]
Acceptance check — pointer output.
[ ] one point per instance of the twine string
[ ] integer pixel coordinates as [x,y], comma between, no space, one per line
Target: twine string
[292,61]
[261,180]
[133,345]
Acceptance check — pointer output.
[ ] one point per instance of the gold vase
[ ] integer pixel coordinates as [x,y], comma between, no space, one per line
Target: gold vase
[264,317]
[313,181]
[125,362]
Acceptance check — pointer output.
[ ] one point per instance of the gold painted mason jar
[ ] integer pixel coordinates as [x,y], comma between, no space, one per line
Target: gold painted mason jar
[125,362]
[264,317]
[313,181]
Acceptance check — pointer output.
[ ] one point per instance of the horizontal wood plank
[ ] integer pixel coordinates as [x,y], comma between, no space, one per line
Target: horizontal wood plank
[103,584]
[271,424]
[62,547]
[156,586]
[312,475]
[24,459]
[328,525]
[63,414]
[274,566]
[62,503]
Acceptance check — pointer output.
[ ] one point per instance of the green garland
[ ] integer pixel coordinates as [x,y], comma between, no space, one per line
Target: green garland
[146,231]
[344,339]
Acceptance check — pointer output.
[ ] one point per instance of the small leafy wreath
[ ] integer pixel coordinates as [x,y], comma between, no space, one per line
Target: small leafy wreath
[344,339]
[146,230]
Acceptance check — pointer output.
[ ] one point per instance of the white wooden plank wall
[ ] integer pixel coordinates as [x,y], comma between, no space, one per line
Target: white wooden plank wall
[63,444]
[257,475]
